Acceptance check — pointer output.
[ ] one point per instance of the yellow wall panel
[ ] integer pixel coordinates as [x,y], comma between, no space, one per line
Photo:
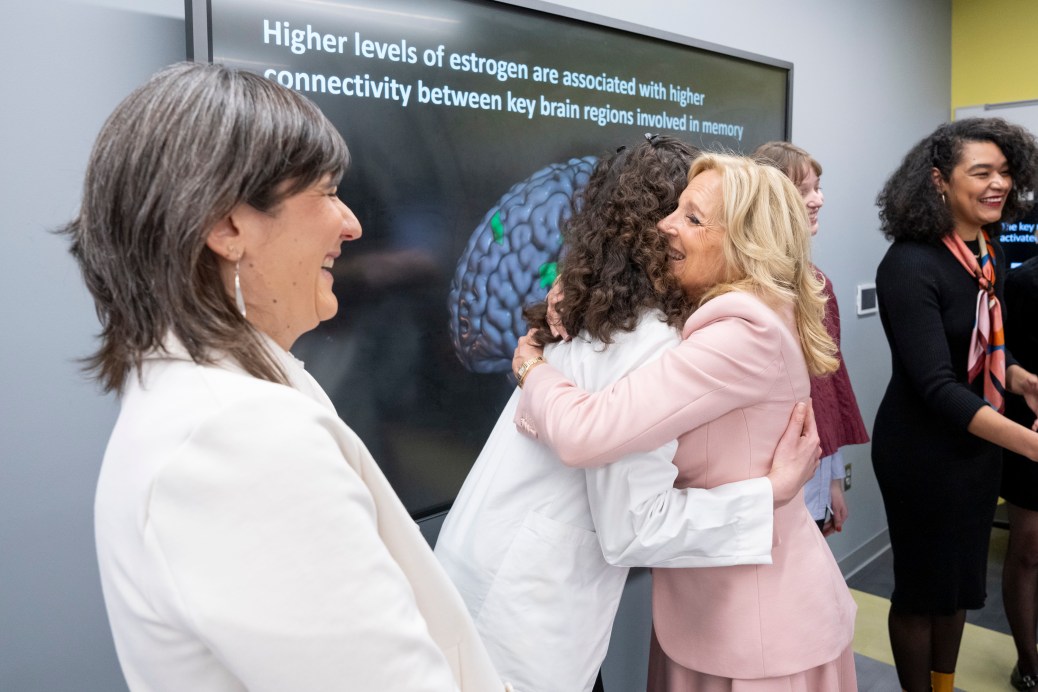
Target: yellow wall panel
[994,51]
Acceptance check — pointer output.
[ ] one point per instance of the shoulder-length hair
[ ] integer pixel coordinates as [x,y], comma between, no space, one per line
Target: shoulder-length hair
[615,262]
[788,158]
[910,205]
[175,157]
[767,248]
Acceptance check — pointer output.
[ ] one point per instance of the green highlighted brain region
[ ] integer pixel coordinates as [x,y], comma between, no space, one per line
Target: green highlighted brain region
[510,261]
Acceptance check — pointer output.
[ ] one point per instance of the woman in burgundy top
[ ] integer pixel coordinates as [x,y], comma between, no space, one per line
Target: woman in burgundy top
[836,408]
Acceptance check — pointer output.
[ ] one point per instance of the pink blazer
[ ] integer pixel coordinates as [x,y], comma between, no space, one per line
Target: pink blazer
[726,393]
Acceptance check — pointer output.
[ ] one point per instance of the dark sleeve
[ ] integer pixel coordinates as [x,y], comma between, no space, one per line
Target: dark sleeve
[910,285]
[1001,280]
[1021,329]
[1021,308]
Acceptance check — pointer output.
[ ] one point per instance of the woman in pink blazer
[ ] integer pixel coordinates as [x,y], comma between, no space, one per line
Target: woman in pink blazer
[739,246]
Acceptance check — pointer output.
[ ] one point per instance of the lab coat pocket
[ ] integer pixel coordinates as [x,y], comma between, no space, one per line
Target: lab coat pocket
[551,606]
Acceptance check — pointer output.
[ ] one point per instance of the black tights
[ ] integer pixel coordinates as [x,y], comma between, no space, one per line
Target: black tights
[1020,585]
[922,643]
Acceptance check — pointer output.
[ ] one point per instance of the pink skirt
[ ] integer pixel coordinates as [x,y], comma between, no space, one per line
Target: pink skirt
[667,676]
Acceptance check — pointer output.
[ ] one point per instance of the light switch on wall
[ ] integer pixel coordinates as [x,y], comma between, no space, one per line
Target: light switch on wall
[867,303]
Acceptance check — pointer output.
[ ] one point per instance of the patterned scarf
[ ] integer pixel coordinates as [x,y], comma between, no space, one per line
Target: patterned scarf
[987,343]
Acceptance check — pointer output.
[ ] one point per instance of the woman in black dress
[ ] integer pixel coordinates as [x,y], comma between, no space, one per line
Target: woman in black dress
[938,431]
[1020,484]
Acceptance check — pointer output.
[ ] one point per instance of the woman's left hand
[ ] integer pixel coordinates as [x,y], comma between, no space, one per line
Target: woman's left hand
[796,456]
[838,505]
[525,350]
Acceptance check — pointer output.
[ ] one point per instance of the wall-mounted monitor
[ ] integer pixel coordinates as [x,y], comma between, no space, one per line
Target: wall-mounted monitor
[1018,238]
[471,124]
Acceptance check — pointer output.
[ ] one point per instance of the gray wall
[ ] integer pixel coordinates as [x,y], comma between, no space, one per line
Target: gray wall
[65,68]
[870,79]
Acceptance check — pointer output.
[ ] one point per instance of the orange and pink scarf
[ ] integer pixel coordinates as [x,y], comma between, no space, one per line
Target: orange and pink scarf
[987,343]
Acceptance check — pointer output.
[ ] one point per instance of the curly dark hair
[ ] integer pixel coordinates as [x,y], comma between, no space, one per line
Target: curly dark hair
[910,206]
[615,262]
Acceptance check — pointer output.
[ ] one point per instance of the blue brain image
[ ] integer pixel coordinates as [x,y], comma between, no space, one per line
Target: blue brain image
[509,262]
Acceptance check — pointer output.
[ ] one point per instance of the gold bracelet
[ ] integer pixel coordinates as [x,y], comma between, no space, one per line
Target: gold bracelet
[525,368]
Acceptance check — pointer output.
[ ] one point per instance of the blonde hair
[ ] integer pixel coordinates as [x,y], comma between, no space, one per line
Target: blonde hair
[767,249]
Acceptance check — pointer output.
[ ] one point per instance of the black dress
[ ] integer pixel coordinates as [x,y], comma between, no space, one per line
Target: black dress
[939,483]
[1020,474]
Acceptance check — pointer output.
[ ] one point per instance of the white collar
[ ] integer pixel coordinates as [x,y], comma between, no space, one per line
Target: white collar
[298,378]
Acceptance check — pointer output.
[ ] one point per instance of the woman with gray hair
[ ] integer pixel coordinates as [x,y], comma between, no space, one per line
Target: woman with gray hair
[246,538]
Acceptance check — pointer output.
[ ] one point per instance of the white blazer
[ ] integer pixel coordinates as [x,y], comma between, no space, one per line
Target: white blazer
[524,540]
[248,541]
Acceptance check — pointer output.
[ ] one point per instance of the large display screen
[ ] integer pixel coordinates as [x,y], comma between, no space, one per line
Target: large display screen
[1018,239]
[471,125]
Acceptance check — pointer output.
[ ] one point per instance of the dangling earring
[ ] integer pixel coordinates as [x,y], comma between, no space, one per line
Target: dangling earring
[239,299]
[943,200]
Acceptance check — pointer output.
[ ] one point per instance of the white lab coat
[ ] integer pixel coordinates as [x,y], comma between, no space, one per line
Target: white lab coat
[248,541]
[524,543]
